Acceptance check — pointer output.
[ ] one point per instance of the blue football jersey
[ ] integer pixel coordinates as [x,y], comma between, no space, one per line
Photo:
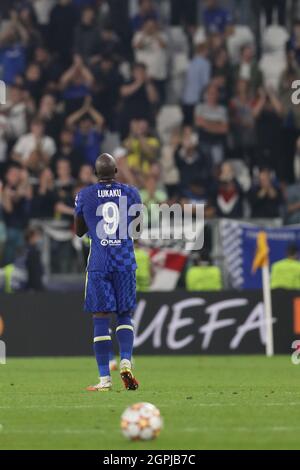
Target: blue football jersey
[110,211]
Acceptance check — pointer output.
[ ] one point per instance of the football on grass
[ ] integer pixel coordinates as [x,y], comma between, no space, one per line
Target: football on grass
[141,422]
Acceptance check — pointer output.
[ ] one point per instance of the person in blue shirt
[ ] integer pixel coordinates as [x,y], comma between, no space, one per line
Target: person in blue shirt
[87,124]
[197,78]
[12,55]
[146,11]
[216,18]
[107,212]
[13,63]
[88,140]
[84,3]
[76,85]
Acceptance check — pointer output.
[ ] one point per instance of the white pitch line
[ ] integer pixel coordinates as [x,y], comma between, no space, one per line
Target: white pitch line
[193,403]
[295,403]
[47,407]
[216,405]
[244,429]
[190,430]
[56,431]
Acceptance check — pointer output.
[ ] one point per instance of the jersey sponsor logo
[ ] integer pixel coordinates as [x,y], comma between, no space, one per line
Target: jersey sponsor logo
[109,193]
[106,242]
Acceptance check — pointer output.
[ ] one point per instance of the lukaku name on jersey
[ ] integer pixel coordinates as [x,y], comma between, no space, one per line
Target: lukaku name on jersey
[109,193]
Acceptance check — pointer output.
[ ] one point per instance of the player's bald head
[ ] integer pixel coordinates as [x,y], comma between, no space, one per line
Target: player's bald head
[106,167]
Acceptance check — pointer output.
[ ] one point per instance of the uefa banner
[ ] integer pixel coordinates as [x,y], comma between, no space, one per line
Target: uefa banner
[53,324]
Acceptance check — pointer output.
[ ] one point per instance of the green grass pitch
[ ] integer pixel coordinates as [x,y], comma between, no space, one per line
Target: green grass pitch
[207,403]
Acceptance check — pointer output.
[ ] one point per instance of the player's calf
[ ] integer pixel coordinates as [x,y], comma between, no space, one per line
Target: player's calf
[125,337]
[102,348]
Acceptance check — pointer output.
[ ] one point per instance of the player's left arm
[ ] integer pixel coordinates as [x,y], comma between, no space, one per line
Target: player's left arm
[80,226]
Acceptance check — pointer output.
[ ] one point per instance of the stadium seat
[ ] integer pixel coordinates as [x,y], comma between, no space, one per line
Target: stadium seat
[272,65]
[169,118]
[273,61]
[111,142]
[242,173]
[178,67]
[179,56]
[178,40]
[241,36]
[275,39]
[199,35]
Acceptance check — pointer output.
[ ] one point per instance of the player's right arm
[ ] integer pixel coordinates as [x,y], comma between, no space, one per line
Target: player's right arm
[80,226]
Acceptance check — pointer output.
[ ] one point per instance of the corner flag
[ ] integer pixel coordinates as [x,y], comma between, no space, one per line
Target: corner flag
[261,261]
[262,252]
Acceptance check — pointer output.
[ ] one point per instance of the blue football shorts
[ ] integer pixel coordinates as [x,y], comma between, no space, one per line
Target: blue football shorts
[113,292]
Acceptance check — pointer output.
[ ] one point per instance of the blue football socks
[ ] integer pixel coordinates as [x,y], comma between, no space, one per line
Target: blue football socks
[125,336]
[102,345]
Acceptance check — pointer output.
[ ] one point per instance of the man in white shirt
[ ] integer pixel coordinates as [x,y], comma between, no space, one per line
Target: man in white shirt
[151,48]
[15,111]
[42,9]
[34,150]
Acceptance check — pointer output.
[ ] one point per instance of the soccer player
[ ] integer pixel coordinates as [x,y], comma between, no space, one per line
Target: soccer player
[109,212]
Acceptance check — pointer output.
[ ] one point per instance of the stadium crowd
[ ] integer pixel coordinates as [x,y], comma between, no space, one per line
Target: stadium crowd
[192,97]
